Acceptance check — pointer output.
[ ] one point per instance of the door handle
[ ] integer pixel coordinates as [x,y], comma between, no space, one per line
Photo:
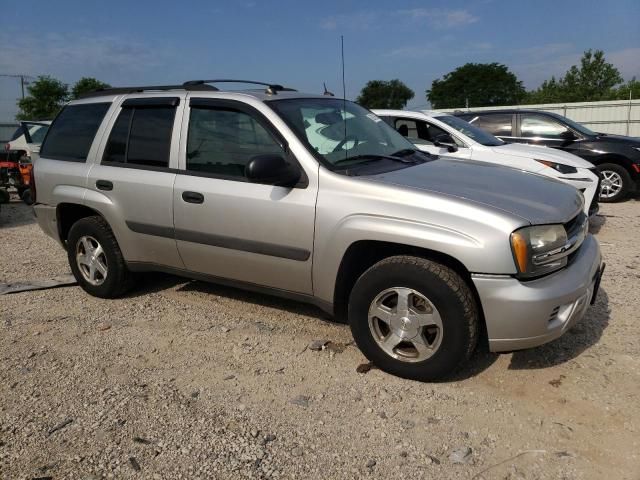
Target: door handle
[192,197]
[104,185]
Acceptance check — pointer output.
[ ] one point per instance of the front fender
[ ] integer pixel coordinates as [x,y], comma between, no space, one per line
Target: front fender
[487,251]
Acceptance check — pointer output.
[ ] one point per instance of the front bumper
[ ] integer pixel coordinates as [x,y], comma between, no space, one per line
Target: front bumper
[588,182]
[527,314]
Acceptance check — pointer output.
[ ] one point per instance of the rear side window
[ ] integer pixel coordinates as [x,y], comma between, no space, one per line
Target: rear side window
[498,124]
[223,141]
[141,136]
[72,133]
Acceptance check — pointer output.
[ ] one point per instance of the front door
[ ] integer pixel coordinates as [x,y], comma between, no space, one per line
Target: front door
[227,227]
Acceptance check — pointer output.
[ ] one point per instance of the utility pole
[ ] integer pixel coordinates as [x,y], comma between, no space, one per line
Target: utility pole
[23,79]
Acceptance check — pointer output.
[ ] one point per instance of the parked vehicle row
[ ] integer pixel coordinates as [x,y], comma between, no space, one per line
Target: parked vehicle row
[617,157]
[447,135]
[16,161]
[316,198]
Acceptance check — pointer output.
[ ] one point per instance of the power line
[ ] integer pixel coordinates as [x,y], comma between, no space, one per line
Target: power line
[23,79]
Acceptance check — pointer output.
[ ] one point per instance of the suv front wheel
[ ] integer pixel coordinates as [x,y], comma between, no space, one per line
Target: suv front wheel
[96,260]
[413,317]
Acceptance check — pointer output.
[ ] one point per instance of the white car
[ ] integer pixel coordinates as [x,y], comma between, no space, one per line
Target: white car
[27,139]
[442,134]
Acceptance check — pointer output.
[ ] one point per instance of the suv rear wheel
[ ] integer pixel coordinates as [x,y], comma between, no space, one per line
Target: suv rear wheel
[413,317]
[96,260]
[615,183]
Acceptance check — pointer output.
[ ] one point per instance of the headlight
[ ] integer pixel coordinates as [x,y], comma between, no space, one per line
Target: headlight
[539,249]
[558,167]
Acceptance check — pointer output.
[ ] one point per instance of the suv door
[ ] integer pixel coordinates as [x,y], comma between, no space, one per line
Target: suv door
[132,182]
[540,129]
[227,227]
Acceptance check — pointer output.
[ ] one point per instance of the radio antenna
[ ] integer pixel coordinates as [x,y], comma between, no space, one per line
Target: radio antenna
[344,95]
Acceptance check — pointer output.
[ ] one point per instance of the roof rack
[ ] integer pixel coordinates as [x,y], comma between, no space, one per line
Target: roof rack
[191,85]
[272,88]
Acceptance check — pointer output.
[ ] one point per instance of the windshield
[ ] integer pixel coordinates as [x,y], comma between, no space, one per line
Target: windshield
[576,126]
[340,132]
[471,131]
[37,131]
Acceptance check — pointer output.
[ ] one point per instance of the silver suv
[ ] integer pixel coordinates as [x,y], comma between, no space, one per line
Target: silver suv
[316,199]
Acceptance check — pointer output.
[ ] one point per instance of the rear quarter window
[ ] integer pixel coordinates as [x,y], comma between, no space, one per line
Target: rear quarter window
[72,132]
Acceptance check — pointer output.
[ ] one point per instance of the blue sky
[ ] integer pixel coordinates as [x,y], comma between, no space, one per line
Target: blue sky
[297,43]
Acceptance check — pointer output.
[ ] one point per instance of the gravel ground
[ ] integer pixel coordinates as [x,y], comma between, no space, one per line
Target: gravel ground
[184,379]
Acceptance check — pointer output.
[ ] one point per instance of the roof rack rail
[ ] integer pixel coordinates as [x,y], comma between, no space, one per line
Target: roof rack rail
[160,88]
[192,85]
[272,88]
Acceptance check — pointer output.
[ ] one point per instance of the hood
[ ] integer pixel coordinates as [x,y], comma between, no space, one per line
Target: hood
[536,198]
[543,153]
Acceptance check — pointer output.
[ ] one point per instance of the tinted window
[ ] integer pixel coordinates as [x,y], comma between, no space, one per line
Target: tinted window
[498,124]
[150,136]
[71,134]
[223,141]
[117,146]
[533,126]
[141,136]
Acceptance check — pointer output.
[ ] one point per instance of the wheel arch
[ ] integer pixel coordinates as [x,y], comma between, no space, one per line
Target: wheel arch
[69,213]
[363,254]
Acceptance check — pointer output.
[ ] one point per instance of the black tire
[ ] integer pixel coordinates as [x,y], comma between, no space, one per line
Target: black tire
[26,197]
[447,292]
[5,196]
[627,183]
[118,279]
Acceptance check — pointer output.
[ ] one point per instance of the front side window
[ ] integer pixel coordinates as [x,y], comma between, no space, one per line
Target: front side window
[222,141]
[141,136]
[72,133]
[341,133]
[537,126]
[416,132]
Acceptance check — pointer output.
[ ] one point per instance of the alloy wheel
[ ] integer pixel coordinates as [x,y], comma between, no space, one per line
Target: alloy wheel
[405,324]
[91,260]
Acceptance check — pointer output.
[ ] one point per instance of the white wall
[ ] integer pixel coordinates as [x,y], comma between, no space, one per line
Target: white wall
[621,117]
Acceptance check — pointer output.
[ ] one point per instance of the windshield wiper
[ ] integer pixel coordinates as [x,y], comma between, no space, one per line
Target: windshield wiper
[373,158]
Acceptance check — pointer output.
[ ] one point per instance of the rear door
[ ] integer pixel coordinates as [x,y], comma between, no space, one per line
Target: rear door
[132,181]
[227,227]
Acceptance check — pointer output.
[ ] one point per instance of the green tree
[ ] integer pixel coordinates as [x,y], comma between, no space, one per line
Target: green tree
[86,85]
[45,99]
[595,79]
[632,87]
[385,94]
[481,84]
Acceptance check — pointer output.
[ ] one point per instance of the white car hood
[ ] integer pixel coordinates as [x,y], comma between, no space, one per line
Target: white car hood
[542,153]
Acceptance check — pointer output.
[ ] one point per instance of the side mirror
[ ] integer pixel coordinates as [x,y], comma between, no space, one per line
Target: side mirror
[568,136]
[272,169]
[445,140]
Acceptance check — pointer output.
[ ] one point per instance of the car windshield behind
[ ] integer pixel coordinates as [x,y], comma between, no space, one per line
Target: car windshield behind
[341,132]
[471,131]
[37,131]
[576,126]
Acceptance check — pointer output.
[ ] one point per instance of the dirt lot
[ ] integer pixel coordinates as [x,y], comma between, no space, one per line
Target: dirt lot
[184,379]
